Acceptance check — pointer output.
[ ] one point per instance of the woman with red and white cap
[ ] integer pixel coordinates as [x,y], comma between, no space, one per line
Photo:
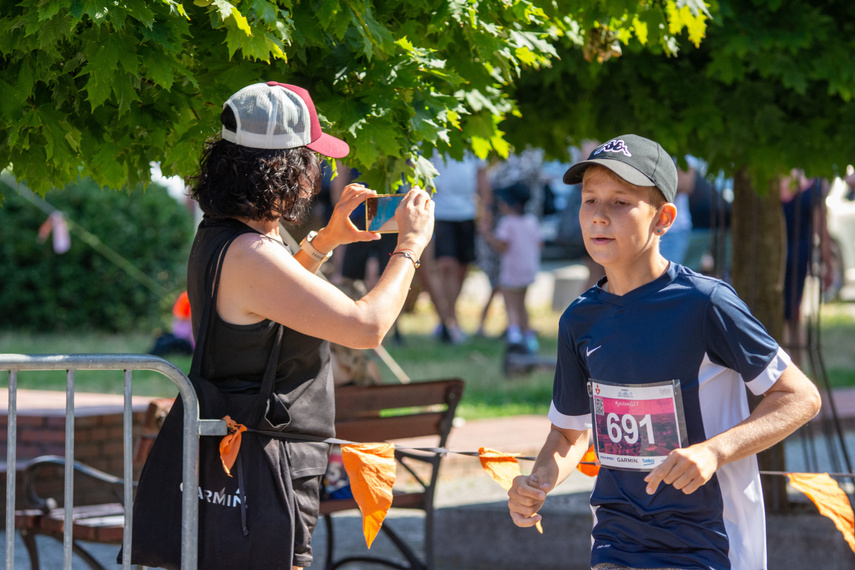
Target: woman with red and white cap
[265,169]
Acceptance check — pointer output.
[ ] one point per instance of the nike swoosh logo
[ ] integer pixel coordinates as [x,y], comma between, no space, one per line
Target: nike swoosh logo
[590,351]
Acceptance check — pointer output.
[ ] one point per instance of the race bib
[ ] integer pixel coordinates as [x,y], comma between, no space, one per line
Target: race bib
[636,426]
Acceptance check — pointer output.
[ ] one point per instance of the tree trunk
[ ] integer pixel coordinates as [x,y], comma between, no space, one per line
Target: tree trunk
[758,235]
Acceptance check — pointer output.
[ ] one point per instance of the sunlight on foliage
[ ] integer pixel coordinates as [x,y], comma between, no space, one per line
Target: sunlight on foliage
[689,15]
[101,90]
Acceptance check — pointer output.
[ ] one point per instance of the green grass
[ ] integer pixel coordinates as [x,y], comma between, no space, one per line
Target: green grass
[145,383]
[478,361]
[837,339]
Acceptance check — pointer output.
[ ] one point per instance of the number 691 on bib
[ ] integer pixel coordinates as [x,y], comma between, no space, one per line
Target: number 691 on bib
[636,426]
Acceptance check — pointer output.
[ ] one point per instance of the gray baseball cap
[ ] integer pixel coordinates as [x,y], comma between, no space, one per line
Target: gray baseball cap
[279,116]
[637,160]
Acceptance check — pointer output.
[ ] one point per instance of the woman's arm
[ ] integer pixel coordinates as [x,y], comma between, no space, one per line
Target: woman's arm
[261,280]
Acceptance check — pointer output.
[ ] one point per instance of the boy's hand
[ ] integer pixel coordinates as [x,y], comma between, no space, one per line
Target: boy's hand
[685,469]
[525,498]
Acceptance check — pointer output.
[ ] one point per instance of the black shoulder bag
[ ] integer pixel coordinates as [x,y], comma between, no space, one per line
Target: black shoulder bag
[245,521]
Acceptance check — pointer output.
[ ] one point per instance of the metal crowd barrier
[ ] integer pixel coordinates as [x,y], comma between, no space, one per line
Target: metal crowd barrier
[193,428]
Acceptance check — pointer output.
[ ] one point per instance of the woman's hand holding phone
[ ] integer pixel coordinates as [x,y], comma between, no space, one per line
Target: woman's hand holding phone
[415,217]
[341,230]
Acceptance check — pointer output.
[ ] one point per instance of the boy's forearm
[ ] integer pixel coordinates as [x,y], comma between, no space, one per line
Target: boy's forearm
[560,454]
[788,404]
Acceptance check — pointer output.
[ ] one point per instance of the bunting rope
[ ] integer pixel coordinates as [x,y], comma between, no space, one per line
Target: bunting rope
[371,471]
[442,451]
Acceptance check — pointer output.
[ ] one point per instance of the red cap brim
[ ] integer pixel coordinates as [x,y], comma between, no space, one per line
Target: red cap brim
[330,146]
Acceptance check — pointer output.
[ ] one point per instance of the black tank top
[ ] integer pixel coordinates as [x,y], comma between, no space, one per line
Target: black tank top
[236,355]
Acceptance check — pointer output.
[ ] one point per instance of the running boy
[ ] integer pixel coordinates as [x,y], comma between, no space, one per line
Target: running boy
[652,362]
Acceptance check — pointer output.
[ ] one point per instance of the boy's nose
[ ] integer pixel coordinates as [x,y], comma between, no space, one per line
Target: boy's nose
[600,215]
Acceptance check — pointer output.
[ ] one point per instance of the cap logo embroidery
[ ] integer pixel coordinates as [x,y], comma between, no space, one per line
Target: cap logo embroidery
[616,145]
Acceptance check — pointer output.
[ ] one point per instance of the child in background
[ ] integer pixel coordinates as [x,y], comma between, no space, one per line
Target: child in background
[180,338]
[517,239]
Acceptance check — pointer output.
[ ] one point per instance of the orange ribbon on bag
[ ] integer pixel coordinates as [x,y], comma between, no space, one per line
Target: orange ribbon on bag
[502,467]
[230,444]
[371,469]
[830,499]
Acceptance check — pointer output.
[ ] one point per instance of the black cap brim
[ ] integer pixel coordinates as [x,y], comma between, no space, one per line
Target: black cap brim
[629,173]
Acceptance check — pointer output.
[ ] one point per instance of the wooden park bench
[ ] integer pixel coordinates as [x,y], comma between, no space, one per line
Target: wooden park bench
[363,414]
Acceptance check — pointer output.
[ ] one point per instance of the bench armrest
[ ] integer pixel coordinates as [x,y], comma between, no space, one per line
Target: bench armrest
[33,466]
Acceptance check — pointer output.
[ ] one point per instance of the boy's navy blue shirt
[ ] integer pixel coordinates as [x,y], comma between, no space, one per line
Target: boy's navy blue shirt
[687,327]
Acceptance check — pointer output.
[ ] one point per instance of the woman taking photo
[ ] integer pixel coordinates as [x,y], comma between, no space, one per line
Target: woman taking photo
[274,317]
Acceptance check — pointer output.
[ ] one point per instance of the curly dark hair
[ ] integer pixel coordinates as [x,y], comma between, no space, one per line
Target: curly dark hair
[259,184]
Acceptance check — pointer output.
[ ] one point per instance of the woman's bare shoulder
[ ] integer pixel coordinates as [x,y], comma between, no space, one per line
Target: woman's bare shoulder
[257,248]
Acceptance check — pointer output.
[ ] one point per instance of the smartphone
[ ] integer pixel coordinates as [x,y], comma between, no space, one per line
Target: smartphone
[380,213]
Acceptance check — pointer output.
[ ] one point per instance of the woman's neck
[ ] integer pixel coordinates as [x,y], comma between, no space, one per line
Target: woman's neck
[269,228]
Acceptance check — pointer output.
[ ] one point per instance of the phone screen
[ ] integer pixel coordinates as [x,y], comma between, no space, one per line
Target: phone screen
[380,213]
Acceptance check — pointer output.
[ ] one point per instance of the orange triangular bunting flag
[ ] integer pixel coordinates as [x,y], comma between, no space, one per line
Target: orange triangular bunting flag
[589,464]
[830,499]
[371,470]
[230,444]
[502,467]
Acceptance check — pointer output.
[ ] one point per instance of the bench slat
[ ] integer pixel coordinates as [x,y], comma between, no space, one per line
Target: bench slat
[91,523]
[394,427]
[356,399]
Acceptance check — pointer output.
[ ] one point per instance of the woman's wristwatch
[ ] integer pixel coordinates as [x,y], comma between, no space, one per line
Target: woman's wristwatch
[312,251]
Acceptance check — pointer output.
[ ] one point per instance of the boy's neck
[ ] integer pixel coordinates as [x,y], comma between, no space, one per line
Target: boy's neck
[622,280]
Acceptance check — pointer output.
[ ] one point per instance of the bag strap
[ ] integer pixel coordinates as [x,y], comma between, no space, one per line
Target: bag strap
[212,282]
[206,324]
[270,372]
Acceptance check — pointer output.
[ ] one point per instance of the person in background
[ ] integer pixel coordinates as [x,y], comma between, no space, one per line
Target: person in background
[675,244]
[458,187]
[517,239]
[179,339]
[803,203]
[523,167]
[850,182]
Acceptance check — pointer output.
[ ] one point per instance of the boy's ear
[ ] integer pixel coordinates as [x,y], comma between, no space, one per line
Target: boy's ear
[665,216]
